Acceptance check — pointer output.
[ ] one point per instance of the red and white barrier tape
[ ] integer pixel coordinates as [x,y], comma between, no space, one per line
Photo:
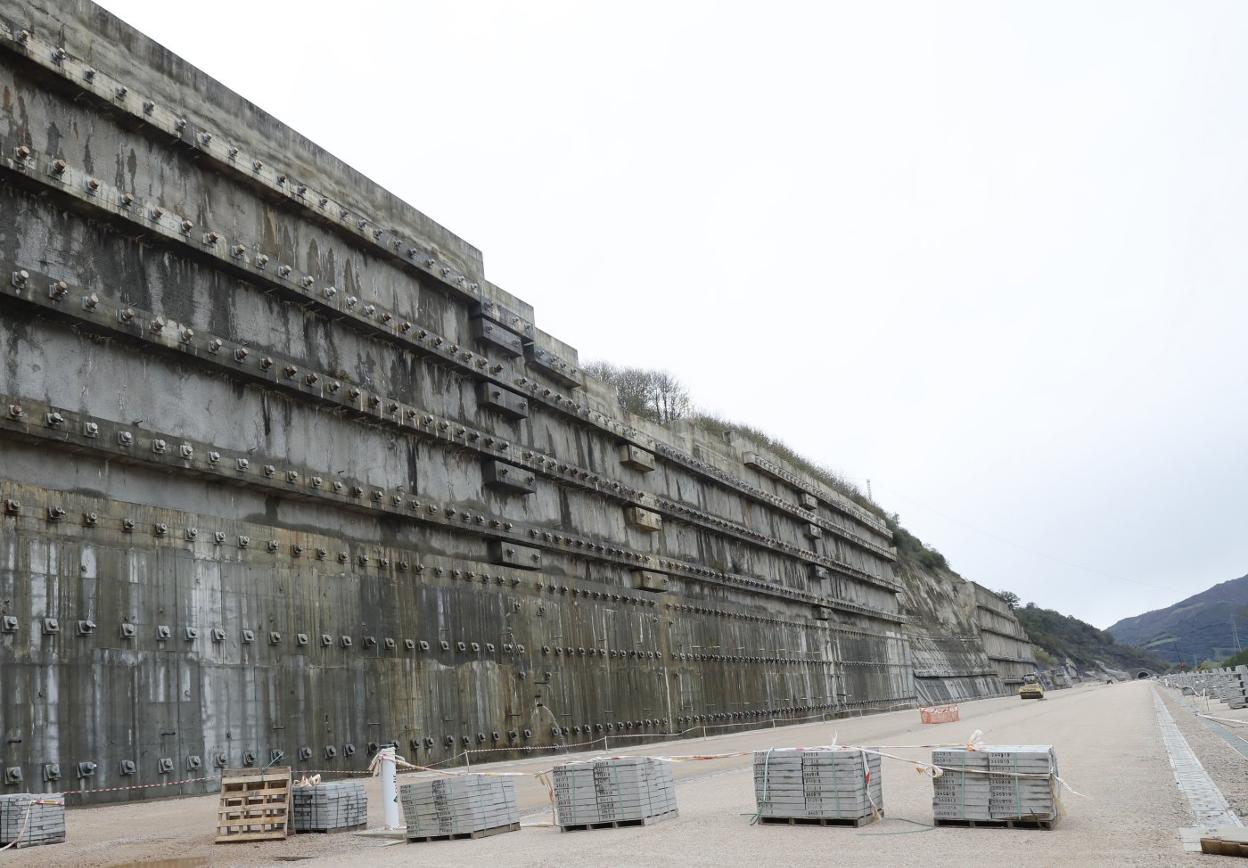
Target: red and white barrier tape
[136,787]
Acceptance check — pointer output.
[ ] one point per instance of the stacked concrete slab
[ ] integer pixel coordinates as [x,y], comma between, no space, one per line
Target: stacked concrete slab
[1228,685]
[330,806]
[460,806]
[821,784]
[1234,687]
[29,819]
[997,783]
[614,790]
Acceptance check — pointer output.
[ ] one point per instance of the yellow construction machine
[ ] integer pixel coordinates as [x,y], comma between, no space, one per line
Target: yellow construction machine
[1032,688]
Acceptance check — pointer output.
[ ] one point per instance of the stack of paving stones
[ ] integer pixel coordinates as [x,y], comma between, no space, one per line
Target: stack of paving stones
[613,792]
[832,785]
[1002,785]
[462,806]
[329,807]
[1234,687]
[32,819]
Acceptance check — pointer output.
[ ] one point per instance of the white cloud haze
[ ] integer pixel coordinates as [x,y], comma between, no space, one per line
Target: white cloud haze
[988,255]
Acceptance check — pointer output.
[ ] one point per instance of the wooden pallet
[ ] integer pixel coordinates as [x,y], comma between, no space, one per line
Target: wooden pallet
[354,828]
[480,833]
[998,824]
[1225,841]
[820,821]
[254,806]
[617,824]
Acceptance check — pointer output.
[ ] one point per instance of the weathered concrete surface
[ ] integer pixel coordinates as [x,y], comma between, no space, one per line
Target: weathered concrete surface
[1004,639]
[260,458]
[965,642]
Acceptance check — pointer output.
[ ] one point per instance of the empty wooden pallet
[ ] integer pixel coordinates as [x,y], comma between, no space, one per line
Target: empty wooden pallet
[255,805]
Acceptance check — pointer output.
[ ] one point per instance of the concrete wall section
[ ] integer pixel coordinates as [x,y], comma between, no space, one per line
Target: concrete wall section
[282,472]
[1004,640]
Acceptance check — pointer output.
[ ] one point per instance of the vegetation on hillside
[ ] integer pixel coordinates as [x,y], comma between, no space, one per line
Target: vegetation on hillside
[1061,636]
[1211,625]
[720,426]
[654,395]
[1240,659]
[910,547]
[660,397]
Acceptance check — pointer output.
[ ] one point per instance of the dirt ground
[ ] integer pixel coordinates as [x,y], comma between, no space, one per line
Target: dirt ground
[1227,766]
[1106,737]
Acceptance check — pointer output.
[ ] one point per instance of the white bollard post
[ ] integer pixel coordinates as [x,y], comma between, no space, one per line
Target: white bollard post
[389,789]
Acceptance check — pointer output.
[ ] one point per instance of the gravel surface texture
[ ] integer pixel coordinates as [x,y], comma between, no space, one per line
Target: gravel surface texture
[1106,737]
[1226,765]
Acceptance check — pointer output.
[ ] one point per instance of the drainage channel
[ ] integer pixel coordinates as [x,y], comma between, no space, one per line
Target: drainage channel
[1229,736]
[1208,805]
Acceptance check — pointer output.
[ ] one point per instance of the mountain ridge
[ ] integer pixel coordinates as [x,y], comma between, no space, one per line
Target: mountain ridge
[1065,637]
[1209,625]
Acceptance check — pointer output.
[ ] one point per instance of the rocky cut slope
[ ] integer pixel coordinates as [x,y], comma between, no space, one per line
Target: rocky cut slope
[965,641]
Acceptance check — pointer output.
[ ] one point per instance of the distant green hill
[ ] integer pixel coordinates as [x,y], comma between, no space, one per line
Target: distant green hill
[1202,627]
[1062,636]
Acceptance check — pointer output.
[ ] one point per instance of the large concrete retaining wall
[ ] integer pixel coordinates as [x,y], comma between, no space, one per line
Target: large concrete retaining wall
[1004,639]
[283,472]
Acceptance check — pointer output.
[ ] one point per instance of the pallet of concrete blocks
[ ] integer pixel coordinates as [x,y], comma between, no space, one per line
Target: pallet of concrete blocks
[27,820]
[1234,687]
[997,785]
[834,786]
[460,806]
[329,806]
[620,791]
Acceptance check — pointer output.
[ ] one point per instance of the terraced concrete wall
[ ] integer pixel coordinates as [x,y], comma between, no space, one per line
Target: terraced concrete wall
[1004,639]
[283,473]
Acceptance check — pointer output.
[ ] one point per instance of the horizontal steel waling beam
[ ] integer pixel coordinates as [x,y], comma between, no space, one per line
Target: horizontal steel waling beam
[841,629]
[1001,659]
[254,544]
[110,315]
[156,449]
[693,515]
[116,96]
[253,548]
[988,607]
[216,150]
[704,469]
[831,498]
[983,628]
[182,529]
[421,341]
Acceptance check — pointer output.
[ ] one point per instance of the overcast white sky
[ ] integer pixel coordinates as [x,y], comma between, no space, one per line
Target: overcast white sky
[988,255]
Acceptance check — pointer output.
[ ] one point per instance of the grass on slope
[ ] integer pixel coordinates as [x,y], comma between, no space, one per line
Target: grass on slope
[1062,636]
[1203,626]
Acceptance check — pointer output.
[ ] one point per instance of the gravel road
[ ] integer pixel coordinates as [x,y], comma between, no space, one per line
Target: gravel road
[1106,737]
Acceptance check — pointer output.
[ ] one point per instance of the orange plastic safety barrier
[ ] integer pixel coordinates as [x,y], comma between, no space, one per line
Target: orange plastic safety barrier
[939,714]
